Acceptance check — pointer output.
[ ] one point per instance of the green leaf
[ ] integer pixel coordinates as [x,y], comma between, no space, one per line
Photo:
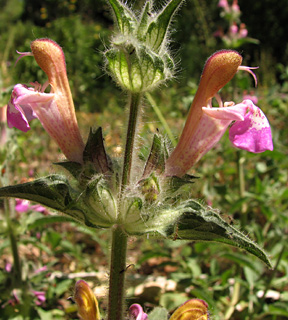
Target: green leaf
[53,191]
[74,168]
[43,221]
[158,314]
[124,17]
[158,28]
[204,224]
[173,300]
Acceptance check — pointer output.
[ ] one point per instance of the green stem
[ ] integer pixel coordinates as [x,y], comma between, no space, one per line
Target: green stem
[135,99]
[117,274]
[119,238]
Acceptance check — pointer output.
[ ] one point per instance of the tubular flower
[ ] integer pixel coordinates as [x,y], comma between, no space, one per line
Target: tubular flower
[206,125]
[55,110]
[86,301]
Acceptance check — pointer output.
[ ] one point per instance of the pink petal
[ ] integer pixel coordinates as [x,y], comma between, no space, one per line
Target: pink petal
[254,133]
[235,112]
[19,111]
[22,205]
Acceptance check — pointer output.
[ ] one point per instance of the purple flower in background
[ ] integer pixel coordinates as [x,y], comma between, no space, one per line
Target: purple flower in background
[8,266]
[25,206]
[136,312]
[40,297]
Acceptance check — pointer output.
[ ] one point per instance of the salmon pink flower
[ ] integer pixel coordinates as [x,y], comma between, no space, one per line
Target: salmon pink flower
[205,125]
[55,110]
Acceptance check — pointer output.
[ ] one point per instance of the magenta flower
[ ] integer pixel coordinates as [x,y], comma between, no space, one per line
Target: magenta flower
[25,206]
[235,7]
[40,297]
[253,133]
[136,312]
[55,110]
[205,125]
[223,4]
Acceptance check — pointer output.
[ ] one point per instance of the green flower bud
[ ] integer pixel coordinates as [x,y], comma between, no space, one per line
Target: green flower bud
[101,204]
[139,58]
[135,67]
[150,188]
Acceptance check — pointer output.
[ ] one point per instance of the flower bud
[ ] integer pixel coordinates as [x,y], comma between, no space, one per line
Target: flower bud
[139,58]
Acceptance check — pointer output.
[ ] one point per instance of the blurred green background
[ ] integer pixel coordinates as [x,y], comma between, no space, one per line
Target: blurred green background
[251,190]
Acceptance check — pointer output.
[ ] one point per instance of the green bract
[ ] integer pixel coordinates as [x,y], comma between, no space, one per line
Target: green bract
[139,58]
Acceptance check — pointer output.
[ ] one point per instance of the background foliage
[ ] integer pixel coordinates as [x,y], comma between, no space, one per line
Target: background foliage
[251,190]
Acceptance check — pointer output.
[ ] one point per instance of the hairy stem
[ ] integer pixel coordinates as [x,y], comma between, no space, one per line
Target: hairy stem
[135,100]
[119,238]
[117,274]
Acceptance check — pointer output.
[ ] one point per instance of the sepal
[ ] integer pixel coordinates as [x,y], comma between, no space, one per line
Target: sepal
[135,67]
[95,153]
[124,17]
[175,183]
[158,28]
[157,157]
[101,204]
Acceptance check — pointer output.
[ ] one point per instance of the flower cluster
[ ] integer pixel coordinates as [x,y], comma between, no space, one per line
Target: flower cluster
[237,33]
[145,209]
